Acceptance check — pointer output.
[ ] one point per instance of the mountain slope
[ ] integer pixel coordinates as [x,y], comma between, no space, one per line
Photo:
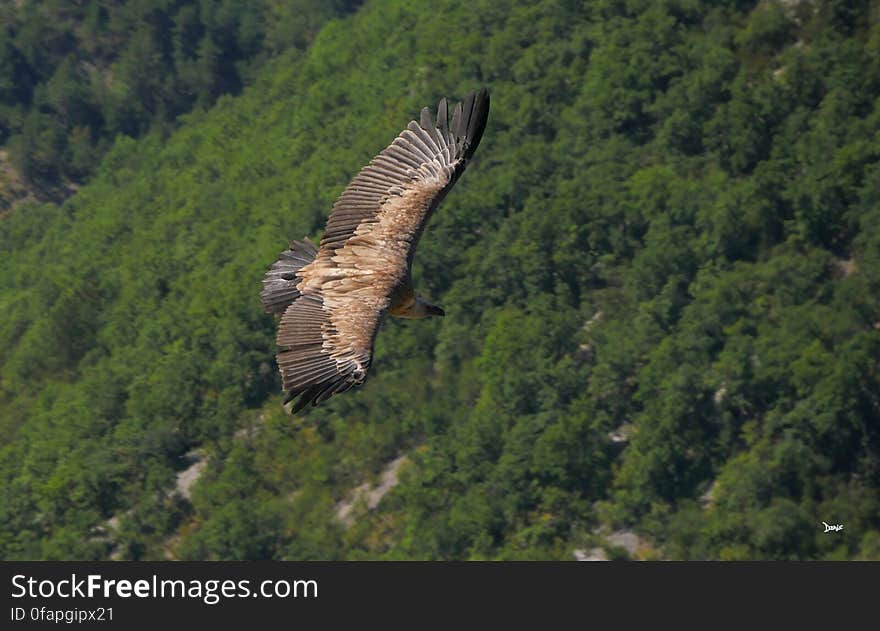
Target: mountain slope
[660,276]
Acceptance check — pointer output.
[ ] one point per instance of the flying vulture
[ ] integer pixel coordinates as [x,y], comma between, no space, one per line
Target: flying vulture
[333,298]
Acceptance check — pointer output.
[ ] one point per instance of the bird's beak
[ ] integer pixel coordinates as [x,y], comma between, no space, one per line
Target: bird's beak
[436,311]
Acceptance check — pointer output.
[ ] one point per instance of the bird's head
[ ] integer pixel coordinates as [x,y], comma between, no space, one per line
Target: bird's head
[421,308]
[425,309]
[434,310]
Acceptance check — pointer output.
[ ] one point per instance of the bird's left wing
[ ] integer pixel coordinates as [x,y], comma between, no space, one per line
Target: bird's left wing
[408,179]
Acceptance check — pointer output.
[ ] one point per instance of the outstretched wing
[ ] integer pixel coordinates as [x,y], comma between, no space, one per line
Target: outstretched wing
[327,333]
[425,159]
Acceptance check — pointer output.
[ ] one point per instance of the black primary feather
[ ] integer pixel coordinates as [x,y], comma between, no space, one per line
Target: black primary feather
[279,283]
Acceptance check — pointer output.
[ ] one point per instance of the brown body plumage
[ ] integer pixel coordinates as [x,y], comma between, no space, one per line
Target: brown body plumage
[334,298]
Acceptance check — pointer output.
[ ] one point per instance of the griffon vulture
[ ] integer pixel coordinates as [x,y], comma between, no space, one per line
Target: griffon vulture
[333,298]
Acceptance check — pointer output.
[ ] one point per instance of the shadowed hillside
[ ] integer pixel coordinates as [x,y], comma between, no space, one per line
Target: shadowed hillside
[75,74]
[660,273]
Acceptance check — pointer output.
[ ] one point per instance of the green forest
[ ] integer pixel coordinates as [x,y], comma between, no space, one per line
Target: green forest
[75,74]
[661,278]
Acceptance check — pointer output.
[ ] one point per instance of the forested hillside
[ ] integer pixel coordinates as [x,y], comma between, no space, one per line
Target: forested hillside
[661,277]
[74,74]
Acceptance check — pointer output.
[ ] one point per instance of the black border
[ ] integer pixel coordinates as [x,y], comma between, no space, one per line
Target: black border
[463,594]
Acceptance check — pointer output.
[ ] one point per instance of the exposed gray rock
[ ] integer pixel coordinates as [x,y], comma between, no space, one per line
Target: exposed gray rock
[593,554]
[622,434]
[188,477]
[368,494]
[707,499]
[628,540]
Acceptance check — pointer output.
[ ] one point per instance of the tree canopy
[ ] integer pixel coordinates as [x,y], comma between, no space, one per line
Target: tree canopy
[661,275]
[75,75]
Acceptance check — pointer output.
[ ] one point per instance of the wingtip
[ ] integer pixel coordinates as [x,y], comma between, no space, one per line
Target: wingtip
[469,121]
[477,118]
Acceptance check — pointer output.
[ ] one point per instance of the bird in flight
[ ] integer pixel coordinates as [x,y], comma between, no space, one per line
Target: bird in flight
[333,298]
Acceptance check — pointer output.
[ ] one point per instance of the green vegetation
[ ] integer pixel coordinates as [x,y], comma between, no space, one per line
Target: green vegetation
[661,276]
[75,75]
